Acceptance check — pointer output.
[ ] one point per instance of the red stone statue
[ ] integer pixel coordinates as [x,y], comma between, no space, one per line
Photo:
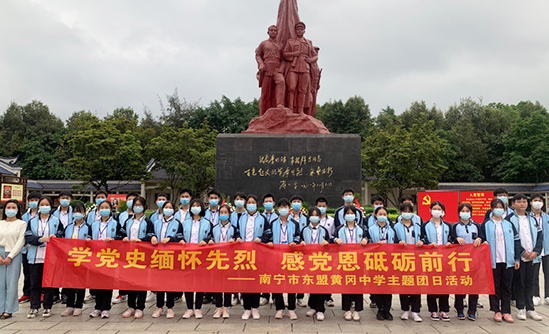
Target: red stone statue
[271,72]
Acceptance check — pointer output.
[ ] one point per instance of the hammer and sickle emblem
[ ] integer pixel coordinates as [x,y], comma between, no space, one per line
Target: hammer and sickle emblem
[426,200]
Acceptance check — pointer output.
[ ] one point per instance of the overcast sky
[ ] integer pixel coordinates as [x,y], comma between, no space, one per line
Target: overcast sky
[102,54]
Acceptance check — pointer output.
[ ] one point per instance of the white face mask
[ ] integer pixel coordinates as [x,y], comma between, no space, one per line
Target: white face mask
[437,213]
[537,205]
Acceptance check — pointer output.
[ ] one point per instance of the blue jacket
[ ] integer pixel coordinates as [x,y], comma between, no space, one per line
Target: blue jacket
[545,222]
[83,233]
[535,230]
[57,213]
[340,233]
[91,216]
[174,230]
[469,232]
[303,219]
[400,231]
[114,229]
[371,221]
[429,233]
[339,217]
[235,217]
[32,235]
[155,216]
[27,217]
[292,230]
[203,232]
[262,228]
[374,234]
[232,233]
[307,234]
[513,249]
[177,215]
[146,228]
[271,217]
[208,216]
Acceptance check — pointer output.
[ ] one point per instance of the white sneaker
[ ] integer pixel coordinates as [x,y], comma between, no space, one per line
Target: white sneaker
[128,313]
[120,299]
[170,314]
[198,314]
[534,315]
[348,316]
[330,303]
[320,316]
[521,314]
[246,315]
[188,314]
[310,313]
[255,314]
[217,313]
[151,297]
[546,300]
[405,315]
[279,314]
[301,303]
[263,301]
[234,301]
[95,314]
[159,311]
[356,316]
[292,315]
[105,314]
[416,317]
[536,300]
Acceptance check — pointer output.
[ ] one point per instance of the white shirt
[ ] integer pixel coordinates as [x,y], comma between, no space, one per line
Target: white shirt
[409,234]
[164,228]
[43,231]
[314,235]
[75,231]
[183,214]
[12,236]
[351,235]
[64,218]
[328,223]
[525,236]
[250,227]
[500,243]
[224,232]
[439,234]
[134,229]
[195,228]
[103,230]
[284,233]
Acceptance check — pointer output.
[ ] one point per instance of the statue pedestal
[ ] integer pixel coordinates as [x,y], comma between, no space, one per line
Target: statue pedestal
[284,121]
[284,165]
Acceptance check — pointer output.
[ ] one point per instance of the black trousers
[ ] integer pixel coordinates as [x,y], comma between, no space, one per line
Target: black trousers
[36,272]
[383,302]
[347,299]
[103,300]
[410,300]
[26,277]
[545,265]
[443,303]
[472,304]
[167,298]
[503,285]
[75,297]
[136,299]
[524,285]
[316,302]
[251,300]
[279,301]
[222,299]
[193,300]
[300,296]
[123,292]
[266,295]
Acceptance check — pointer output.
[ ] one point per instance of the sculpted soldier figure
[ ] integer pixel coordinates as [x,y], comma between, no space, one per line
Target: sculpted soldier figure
[271,78]
[299,53]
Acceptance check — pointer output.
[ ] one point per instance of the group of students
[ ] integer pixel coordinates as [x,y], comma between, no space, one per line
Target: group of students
[515,237]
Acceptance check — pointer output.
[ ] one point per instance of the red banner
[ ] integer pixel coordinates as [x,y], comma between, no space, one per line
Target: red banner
[479,200]
[249,267]
[450,199]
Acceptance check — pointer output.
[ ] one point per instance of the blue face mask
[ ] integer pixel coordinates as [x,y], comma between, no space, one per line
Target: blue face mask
[348,198]
[196,210]
[65,202]
[214,202]
[160,204]
[377,206]
[350,217]
[11,213]
[98,201]
[239,203]
[498,212]
[284,212]
[296,206]
[33,205]
[268,206]
[130,203]
[167,212]
[504,199]
[185,201]
[105,212]
[314,219]
[224,218]
[382,219]
[407,215]
[322,210]
[251,207]
[138,209]
[78,216]
[45,210]
[465,215]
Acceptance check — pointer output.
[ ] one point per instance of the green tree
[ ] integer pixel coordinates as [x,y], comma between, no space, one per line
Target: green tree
[420,113]
[176,111]
[352,116]
[386,118]
[225,116]
[398,159]
[41,158]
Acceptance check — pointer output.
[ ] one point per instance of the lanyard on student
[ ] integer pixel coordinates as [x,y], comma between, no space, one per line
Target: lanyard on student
[314,240]
[325,221]
[351,234]
[212,216]
[285,232]
[106,225]
[75,231]
[383,233]
[224,239]
[43,226]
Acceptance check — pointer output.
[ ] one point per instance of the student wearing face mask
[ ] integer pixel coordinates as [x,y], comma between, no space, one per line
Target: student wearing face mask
[314,233]
[185,198]
[253,227]
[505,251]
[239,201]
[351,233]
[284,232]
[64,214]
[436,232]
[408,232]
[212,212]
[94,215]
[271,215]
[296,214]
[40,230]
[537,204]
[466,231]
[503,195]
[348,196]
[329,224]
[32,212]
[160,200]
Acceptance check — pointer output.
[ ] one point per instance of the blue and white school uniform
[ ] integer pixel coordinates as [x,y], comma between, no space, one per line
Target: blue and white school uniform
[384,234]
[222,233]
[167,228]
[75,297]
[411,235]
[302,220]
[339,217]
[315,235]
[64,218]
[212,216]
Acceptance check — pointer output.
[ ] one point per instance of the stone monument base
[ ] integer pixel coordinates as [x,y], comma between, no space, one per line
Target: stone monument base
[284,121]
